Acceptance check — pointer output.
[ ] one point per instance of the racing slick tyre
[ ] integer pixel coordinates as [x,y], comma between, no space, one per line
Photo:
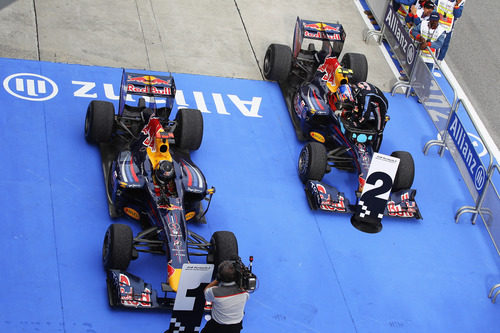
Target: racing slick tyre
[117,247]
[277,62]
[189,130]
[357,62]
[99,121]
[406,171]
[224,246]
[312,162]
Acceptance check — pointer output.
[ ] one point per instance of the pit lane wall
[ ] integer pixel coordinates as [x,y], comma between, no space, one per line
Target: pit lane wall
[458,132]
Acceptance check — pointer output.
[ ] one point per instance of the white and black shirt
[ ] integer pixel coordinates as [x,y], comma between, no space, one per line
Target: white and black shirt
[228,302]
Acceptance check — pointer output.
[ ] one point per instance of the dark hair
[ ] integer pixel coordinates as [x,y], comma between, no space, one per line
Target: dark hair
[226,271]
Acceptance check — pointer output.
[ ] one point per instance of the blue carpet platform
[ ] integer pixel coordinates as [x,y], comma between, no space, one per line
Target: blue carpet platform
[316,272]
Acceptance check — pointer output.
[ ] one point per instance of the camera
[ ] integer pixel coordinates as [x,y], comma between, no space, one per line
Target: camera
[245,279]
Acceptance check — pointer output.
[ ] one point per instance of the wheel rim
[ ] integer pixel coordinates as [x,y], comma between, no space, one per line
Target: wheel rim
[213,251]
[106,247]
[87,123]
[267,62]
[303,161]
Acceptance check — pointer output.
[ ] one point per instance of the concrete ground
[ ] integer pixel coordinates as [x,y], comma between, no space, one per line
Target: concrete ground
[221,38]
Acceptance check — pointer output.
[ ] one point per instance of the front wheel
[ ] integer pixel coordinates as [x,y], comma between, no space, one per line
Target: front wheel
[277,62]
[406,171]
[117,247]
[312,162]
[224,246]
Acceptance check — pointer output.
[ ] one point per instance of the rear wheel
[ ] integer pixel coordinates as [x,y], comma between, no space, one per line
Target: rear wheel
[312,162]
[99,121]
[117,247]
[189,130]
[359,65]
[406,171]
[224,246]
[277,62]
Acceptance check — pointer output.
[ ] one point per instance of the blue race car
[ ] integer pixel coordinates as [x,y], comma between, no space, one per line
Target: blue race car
[151,179]
[338,135]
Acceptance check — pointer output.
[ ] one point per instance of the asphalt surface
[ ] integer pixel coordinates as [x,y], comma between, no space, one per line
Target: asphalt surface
[226,38]
[220,38]
[473,57]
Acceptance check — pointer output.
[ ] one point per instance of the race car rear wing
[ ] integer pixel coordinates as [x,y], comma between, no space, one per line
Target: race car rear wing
[160,86]
[332,35]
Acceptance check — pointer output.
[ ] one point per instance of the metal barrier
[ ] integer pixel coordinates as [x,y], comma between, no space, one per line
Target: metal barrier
[378,9]
[488,207]
[494,296]
[453,135]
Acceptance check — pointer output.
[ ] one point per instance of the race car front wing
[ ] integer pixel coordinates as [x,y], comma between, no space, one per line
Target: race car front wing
[329,198]
[126,290]
[129,291]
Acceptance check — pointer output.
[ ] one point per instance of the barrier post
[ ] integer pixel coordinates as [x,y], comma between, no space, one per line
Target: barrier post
[475,210]
[494,297]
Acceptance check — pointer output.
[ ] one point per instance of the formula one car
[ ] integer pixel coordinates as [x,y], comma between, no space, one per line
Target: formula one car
[150,178]
[307,77]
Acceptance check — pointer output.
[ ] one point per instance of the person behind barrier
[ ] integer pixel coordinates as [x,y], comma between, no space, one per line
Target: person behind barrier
[228,301]
[419,12]
[402,7]
[429,33]
[449,11]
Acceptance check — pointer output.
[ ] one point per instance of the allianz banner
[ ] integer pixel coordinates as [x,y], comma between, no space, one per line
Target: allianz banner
[468,153]
[405,49]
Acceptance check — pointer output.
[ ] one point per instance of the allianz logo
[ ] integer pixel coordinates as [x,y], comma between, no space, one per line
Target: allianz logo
[38,88]
[31,87]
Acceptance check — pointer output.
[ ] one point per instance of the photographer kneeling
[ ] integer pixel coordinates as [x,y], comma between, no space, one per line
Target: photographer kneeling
[228,301]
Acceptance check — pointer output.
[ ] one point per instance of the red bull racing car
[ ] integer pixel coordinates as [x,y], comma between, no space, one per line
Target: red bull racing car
[150,178]
[311,81]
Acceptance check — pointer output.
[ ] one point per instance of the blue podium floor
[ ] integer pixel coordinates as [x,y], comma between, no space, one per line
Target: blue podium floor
[316,272]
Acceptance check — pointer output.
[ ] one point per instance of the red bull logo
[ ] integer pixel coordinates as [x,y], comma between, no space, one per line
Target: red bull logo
[128,298]
[150,131]
[320,30]
[327,203]
[322,27]
[148,84]
[170,270]
[315,26]
[148,89]
[329,67]
[156,81]
[140,79]
[148,80]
